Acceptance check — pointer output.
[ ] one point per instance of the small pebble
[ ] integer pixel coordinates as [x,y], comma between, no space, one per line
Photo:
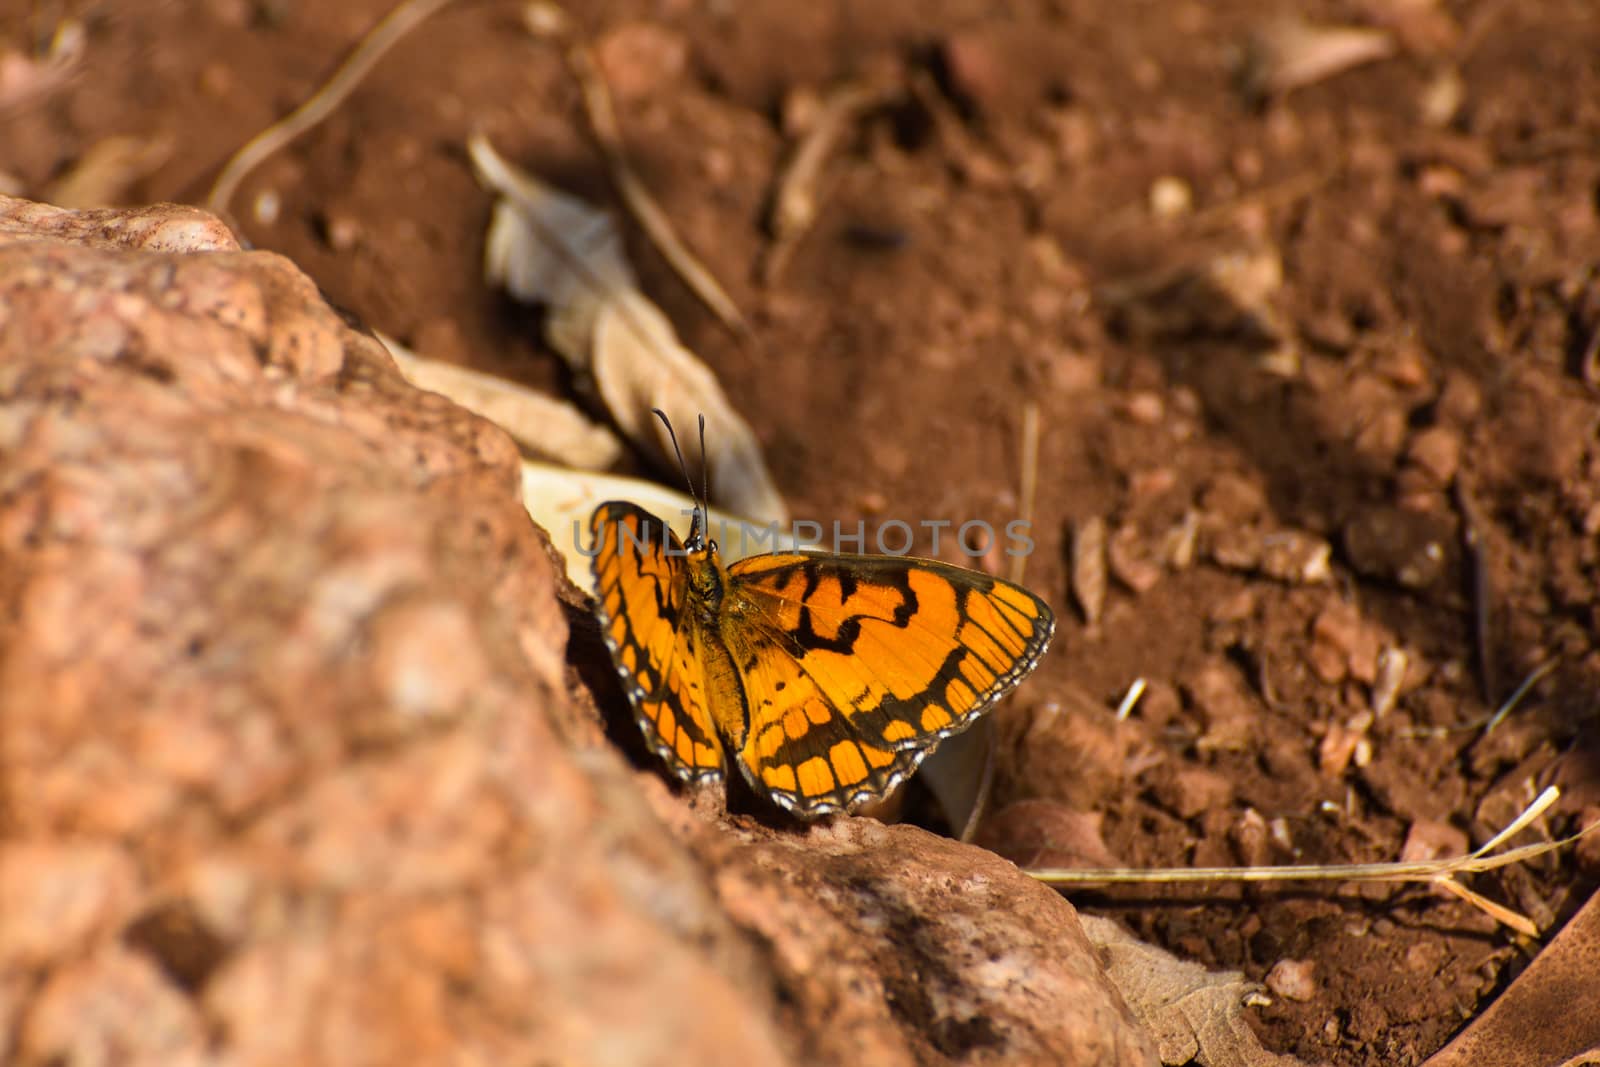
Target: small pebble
[1170,197]
[1293,980]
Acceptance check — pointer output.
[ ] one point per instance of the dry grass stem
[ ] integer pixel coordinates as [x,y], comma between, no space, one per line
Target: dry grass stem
[794,206]
[1534,677]
[1130,699]
[1441,872]
[547,20]
[401,20]
[1028,481]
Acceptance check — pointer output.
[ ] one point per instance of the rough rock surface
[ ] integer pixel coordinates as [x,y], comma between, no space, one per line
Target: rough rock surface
[293,768]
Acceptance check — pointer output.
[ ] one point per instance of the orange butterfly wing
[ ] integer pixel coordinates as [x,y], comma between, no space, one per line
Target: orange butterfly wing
[854,667]
[642,585]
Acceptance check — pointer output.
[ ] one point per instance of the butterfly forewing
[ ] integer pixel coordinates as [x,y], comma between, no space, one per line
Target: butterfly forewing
[641,583]
[855,666]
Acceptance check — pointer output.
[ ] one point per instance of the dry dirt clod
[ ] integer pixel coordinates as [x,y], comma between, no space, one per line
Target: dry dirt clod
[1046,833]
[1131,561]
[1414,549]
[639,59]
[1225,706]
[1345,643]
[1436,452]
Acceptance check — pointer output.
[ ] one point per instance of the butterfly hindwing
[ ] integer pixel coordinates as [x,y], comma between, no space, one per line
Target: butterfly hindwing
[854,667]
[799,748]
[641,583]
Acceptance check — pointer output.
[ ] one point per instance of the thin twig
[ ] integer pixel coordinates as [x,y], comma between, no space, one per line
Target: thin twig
[1534,678]
[1482,596]
[401,20]
[547,19]
[794,205]
[1490,721]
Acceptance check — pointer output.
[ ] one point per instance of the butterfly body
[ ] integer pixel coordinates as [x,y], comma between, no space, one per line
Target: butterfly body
[824,678]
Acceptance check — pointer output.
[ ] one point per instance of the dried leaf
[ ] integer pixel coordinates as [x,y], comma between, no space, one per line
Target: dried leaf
[561,500]
[1541,1017]
[1290,52]
[960,774]
[550,248]
[539,423]
[1089,567]
[1194,1014]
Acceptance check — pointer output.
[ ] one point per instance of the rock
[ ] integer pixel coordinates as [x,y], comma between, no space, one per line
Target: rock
[900,947]
[1428,840]
[1072,751]
[308,777]
[1233,498]
[1045,833]
[1436,453]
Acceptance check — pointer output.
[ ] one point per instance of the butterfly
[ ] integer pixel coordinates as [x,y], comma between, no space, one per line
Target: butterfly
[826,679]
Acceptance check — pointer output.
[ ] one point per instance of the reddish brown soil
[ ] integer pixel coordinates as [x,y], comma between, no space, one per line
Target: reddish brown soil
[990,243]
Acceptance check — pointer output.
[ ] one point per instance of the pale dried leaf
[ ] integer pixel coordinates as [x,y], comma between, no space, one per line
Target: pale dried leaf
[1193,1014]
[960,773]
[547,247]
[1089,567]
[561,500]
[1290,52]
[539,423]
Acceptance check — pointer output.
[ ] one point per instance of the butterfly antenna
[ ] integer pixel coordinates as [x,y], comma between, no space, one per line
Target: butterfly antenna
[705,465]
[682,466]
[699,506]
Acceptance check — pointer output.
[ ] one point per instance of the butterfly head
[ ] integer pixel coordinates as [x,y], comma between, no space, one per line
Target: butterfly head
[697,541]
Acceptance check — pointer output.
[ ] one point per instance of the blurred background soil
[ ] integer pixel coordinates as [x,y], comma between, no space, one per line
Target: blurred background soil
[1317,346]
